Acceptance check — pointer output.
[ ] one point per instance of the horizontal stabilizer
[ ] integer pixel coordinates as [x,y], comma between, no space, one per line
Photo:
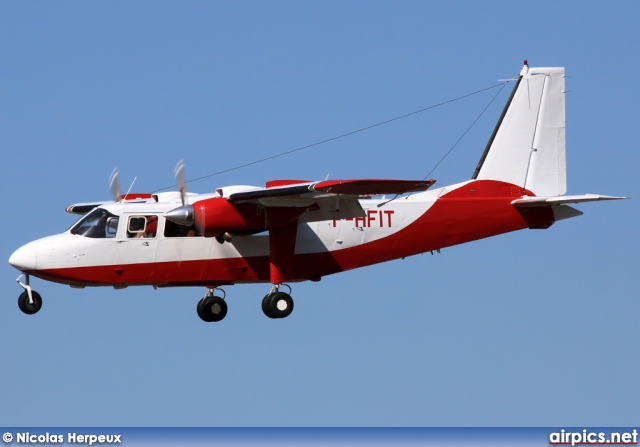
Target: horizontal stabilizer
[561,212]
[541,201]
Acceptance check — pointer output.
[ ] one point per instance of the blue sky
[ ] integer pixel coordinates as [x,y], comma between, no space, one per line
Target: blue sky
[529,328]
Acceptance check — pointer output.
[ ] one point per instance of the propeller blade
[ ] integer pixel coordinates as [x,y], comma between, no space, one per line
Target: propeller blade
[114,185]
[179,175]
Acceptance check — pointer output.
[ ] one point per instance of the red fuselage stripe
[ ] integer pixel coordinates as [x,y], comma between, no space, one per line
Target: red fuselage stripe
[477,210]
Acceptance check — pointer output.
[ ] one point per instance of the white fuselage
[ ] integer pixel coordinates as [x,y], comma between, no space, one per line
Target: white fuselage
[67,257]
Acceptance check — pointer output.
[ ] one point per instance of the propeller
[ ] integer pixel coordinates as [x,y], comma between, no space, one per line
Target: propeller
[114,185]
[183,215]
[178,173]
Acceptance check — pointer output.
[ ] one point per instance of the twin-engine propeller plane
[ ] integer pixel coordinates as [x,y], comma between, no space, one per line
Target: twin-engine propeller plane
[297,230]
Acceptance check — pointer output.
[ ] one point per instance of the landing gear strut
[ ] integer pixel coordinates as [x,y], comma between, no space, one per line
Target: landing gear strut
[277,304]
[212,308]
[29,301]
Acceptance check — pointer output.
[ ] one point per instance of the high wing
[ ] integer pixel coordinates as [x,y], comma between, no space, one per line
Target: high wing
[327,199]
[358,187]
[85,207]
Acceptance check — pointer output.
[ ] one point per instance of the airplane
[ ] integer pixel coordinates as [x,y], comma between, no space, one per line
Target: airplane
[297,230]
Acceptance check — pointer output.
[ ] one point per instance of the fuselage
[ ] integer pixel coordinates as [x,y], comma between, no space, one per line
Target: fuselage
[105,250]
[299,230]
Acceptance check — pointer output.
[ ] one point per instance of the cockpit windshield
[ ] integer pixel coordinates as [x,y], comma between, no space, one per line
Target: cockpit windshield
[99,223]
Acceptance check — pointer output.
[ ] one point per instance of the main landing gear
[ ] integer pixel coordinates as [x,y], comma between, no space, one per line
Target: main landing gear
[212,308]
[29,301]
[275,305]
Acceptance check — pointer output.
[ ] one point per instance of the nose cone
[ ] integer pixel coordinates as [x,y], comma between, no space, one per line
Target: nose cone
[181,216]
[24,258]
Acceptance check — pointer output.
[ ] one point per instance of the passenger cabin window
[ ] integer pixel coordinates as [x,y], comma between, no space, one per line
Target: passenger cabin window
[142,226]
[97,224]
[172,229]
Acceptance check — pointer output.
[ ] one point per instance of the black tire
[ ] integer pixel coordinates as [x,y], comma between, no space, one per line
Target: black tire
[266,308]
[25,306]
[201,311]
[212,308]
[279,305]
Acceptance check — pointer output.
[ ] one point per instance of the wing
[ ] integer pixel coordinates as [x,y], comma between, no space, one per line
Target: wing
[85,207]
[328,199]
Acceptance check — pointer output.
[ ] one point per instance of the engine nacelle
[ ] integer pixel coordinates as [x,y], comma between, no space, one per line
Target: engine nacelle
[217,215]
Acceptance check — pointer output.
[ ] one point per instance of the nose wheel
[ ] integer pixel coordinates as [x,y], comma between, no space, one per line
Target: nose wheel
[30,306]
[29,301]
[212,308]
[277,304]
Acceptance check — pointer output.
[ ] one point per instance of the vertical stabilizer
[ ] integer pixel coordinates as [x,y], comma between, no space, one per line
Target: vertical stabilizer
[528,146]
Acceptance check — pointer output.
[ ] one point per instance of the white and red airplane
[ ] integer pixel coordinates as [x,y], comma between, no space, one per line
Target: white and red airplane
[295,230]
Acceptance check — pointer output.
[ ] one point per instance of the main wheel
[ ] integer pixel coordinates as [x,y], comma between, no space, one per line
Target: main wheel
[266,308]
[27,307]
[212,308]
[277,305]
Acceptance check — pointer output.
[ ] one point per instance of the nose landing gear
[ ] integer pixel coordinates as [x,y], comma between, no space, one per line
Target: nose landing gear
[30,305]
[29,301]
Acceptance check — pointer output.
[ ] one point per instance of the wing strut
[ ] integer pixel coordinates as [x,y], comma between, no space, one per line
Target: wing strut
[282,244]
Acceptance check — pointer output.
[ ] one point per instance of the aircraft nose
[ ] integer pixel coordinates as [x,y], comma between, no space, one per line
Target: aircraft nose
[24,258]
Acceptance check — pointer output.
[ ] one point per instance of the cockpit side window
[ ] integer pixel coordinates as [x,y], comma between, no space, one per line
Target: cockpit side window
[98,224]
[112,226]
[172,229]
[142,226]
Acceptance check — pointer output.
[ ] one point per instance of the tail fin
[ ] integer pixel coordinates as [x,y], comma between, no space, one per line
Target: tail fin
[527,147]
